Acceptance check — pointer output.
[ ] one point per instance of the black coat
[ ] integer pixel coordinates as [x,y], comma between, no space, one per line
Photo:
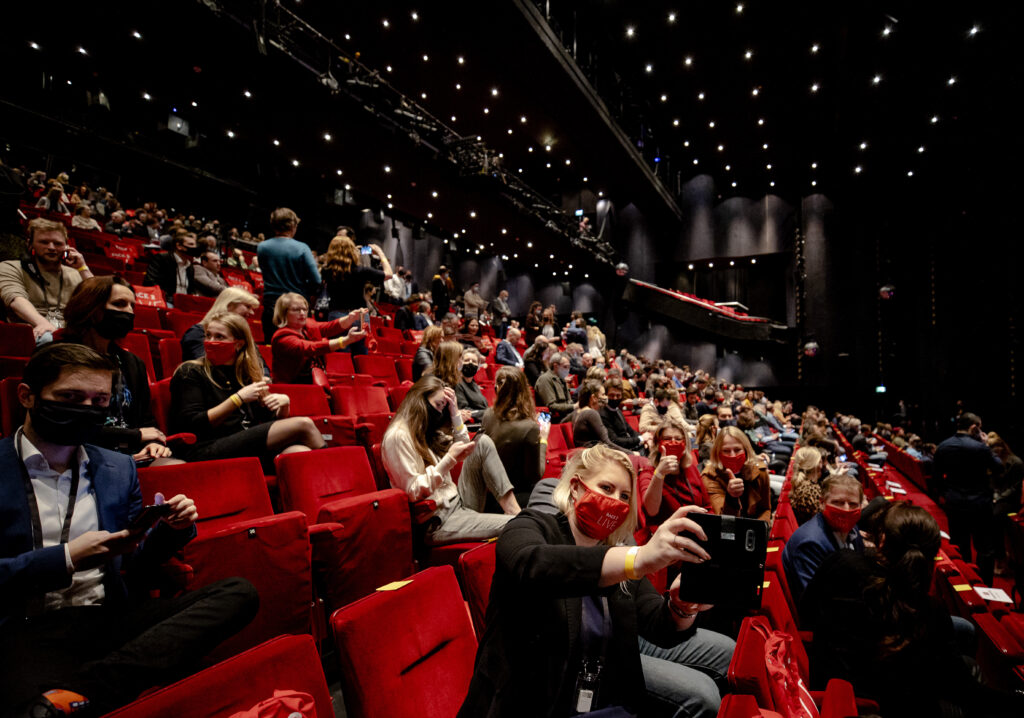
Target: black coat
[530,652]
[619,432]
[421,361]
[163,272]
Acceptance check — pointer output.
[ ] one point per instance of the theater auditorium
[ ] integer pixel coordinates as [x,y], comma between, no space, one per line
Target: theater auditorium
[510,358]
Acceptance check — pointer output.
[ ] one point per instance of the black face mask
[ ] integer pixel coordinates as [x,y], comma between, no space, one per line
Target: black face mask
[435,417]
[727,422]
[662,409]
[115,324]
[614,403]
[66,424]
[469,370]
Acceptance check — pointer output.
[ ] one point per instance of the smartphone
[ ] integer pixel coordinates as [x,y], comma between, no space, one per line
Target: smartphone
[66,256]
[842,457]
[148,517]
[366,250]
[734,576]
[544,416]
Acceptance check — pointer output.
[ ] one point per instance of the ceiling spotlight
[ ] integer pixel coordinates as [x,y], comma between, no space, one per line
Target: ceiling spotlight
[973,31]
[739,8]
[34,45]
[728,168]
[695,160]
[887,31]
[748,54]
[529,149]
[910,173]
[386,23]
[858,169]
[389,68]
[339,172]
[935,119]
[247,94]
[434,194]
[814,48]
[146,96]
[675,122]
[876,79]
[486,111]
[547,148]
[231,134]
[815,87]
[732,263]
[138,35]
[423,95]
[760,122]
[814,183]
[568,162]
[664,98]
[711,124]
[82,50]
[387,168]
[814,165]
[586,179]
[764,146]
[523,119]
[649,68]
[504,231]
[348,187]
[920,149]
[700,95]
[772,183]
[462,60]
[733,184]
[721,148]
[688,61]
[415,15]
[630,31]
[472,215]
[509,130]
[347,36]
[753,261]
[711,265]
[458,86]
[327,137]
[529,245]
[195,104]
[549,165]
[686,143]
[277,143]
[755,92]
[863,145]
[690,266]
[295,163]
[671,17]
[768,166]
[951,81]
[494,91]
[453,118]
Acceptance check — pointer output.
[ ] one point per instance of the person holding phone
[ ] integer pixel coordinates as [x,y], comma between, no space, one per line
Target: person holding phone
[224,399]
[300,343]
[518,432]
[424,442]
[345,279]
[569,599]
[77,624]
[35,290]
[735,478]
[669,478]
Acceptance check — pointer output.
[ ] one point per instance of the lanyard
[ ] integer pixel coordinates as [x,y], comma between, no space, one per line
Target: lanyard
[596,627]
[33,504]
[46,286]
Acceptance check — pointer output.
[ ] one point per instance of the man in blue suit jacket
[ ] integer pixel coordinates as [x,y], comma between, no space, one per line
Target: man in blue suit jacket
[831,529]
[75,617]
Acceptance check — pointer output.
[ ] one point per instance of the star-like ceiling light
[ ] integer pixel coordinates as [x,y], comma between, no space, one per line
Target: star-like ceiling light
[630,31]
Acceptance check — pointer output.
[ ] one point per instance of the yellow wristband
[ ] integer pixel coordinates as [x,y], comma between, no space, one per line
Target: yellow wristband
[236,400]
[630,561]
[544,441]
[83,268]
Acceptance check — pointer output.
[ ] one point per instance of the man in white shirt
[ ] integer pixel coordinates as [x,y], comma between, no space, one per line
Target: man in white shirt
[75,636]
[394,286]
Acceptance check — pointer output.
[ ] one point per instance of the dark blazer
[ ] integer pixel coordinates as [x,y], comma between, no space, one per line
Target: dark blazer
[163,272]
[26,572]
[619,432]
[529,655]
[469,396]
[506,354]
[807,548]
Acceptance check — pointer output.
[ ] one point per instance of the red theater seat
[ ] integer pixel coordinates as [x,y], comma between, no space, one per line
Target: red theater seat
[170,356]
[372,542]
[193,303]
[337,430]
[407,651]
[138,344]
[381,368]
[396,394]
[240,682]
[476,572]
[16,340]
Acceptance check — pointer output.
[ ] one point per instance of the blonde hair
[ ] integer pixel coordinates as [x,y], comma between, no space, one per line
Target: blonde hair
[229,296]
[714,462]
[804,461]
[284,303]
[585,464]
[248,364]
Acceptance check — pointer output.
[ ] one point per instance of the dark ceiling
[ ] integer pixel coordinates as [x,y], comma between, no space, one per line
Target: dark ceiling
[676,96]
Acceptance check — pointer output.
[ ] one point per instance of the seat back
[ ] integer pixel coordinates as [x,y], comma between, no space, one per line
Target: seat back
[396,394]
[309,479]
[339,363]
[16,340]
[147,317]
[160,402]
[379,367]
[775,608]
[404,367]
[389,346]
[391,334]
[240,682]
[306,399]
[146,296]
[560,438]
[747,671]
[170,356]
[226,491]
[425,665]
[360,400]
[179,322]
[193,303]
[476,571]
[138,344]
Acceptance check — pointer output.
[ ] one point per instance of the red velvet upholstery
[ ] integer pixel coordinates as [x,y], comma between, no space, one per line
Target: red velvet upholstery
[747,672]
[147,318]
[773,565]
[784,524]
[240,682]
[381,368]
[736,705]
[12,413]
[170,356]
[389,346]
[476,571]
[390,334]
[360,400]
[339,363]
[407,652]
[16,340]
[179,322]
[396,394]
[337,430]
[138,344]
[274,554]
[404,368]
[774,606]
[410,348]
[373,545]
[226,491]
[193,303]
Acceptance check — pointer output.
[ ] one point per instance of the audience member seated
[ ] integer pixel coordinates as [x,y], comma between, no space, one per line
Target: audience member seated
[300,343]
[208,281]
[536,358]
[707,430]
[876,625]
[76,623]
[448,366]
[506,353]
[473,338]
[422,319]
[550,568]
[234,300]
[763,436]
[663,405]
[287,265]
[102,311]
[83,218]
[419,453]
[174,271]
[521,440]
[833,528]
[805,492]
[470,398]
[424,357]
[52,201]
[224,400]
[36,289]
[619,432]
[553,392]
[735,478]
[669,479]
[587,427]
[346,279]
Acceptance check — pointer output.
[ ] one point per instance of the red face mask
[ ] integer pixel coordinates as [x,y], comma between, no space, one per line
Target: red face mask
[734,463]
[220,353]
[597,515]
[672,448]
[841,520]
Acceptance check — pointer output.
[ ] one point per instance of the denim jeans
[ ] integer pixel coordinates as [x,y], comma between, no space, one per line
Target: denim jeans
[684,681]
